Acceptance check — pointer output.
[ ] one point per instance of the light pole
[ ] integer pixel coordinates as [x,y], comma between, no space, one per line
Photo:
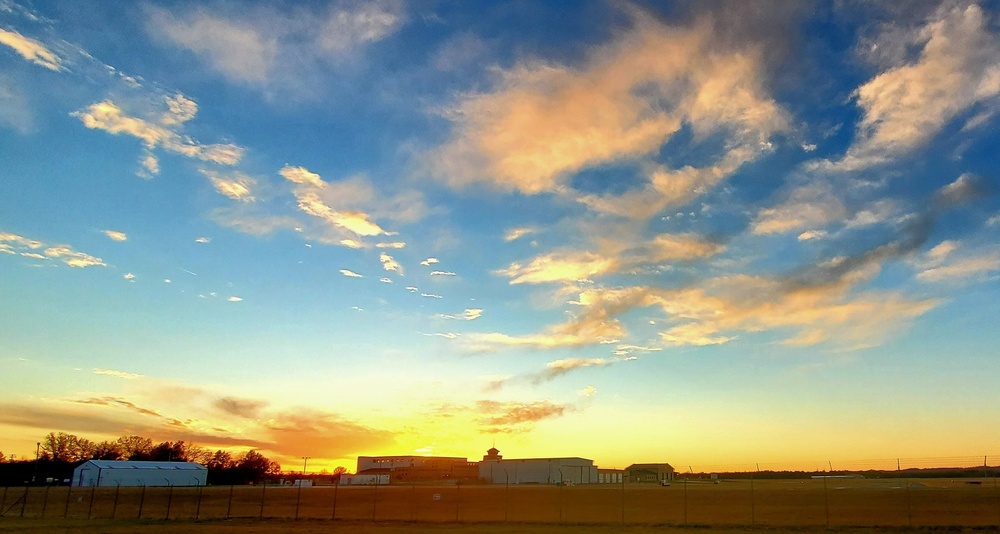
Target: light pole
[298,496]
[38,445]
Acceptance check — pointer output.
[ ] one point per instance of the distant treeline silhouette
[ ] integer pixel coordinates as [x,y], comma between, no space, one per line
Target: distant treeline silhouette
[60,453]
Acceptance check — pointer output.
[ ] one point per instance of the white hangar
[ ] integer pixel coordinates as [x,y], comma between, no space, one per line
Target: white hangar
[129,473]
[495,470]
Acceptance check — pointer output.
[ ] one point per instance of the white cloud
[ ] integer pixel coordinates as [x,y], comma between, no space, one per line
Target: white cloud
[235,299]
[203,240]
[430,295]
[810,235]
[234,185]
[442,273]
[30,49]
[471,314]
[350,274]
[239,51]
[394,245]
[389,264]
[385,280]
[429,261]
[109,117]
[129,276]
[517,233]
[544,122]
[905,106]
[272,48]
[315,197]
[559,267]
[807,206]
[411,289]
[117,374]
[368,22]
[73,258]
[962,270]
[588,391]
[301,176]
[115,235]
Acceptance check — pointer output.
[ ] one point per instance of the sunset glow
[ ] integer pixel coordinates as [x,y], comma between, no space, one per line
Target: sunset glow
[710,234]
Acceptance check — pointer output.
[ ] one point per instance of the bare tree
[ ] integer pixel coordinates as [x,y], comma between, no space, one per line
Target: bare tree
[135,447]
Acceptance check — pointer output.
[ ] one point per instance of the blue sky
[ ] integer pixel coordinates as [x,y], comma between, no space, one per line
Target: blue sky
[702,233]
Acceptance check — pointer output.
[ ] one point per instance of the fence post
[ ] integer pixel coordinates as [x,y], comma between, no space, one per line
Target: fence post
[24,500]
[142,500]
[506,495]
[909,506]
[197,510]
[333,516]
[753,507]
[826,503]
[45,500]
[996,493]
[114,509]
[90,507]
[170,500]
[263,491]
[374,498]
[622,474]
[685,499]
[69,494]
[229,505]
[298,499]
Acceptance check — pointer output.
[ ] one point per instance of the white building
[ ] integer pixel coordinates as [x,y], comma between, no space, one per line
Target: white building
[122,473]
[364,480]
[495,470]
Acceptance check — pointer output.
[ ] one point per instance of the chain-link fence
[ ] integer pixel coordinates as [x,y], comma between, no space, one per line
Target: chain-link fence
[830,498]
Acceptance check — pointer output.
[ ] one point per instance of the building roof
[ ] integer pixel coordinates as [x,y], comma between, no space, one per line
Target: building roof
[650,466]
[126,464]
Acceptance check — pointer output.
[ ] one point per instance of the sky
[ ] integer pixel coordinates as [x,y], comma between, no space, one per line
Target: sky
[703,233]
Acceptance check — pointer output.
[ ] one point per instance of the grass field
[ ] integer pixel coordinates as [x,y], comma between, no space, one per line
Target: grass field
[729,505]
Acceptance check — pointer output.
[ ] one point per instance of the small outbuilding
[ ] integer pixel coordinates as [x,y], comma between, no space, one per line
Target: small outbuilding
[134,473]
[649,473]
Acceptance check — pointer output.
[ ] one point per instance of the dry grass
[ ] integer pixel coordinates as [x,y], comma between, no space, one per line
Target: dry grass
[778,505]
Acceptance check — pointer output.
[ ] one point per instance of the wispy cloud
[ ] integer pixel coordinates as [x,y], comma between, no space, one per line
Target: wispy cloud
[350,274]
[117,374]
[442,273]
[234,185]
[276,50]
[517,233]
[515,417]
[15,244]
[617,97]
[907,105]
[311,192]
[429,261]
[30,49]
[158,131]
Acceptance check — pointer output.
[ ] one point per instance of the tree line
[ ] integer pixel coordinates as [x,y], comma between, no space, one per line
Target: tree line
[60,453]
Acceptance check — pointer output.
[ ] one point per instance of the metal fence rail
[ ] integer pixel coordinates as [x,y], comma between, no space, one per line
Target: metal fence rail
[868,502]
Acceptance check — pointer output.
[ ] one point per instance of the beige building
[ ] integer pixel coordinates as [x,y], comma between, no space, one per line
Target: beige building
[649,473]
